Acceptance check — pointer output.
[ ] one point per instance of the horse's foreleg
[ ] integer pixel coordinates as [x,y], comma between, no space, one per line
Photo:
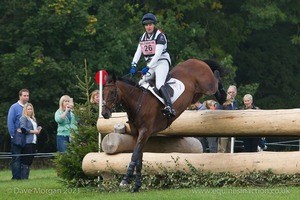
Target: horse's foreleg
[138,175]
[136,161]
[127,178]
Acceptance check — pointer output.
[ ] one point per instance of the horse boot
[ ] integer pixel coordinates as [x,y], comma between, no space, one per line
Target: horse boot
[127,178]
[168,110]
[138,177]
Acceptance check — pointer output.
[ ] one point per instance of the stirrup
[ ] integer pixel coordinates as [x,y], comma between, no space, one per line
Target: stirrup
[169,111]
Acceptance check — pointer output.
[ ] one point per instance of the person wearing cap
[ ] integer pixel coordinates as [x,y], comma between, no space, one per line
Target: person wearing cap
[153,46]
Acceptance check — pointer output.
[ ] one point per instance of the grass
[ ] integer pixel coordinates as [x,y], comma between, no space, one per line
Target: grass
[44,184]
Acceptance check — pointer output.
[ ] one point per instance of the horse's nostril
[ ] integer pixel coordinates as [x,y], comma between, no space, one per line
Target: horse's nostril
[106,115]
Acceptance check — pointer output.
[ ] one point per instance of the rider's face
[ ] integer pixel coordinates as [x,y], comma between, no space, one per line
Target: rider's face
[149,28]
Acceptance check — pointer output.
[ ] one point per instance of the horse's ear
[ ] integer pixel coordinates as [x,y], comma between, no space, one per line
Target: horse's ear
[111,78]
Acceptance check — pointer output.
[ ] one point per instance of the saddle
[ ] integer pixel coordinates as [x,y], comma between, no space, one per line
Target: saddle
[167,84]
[174,87]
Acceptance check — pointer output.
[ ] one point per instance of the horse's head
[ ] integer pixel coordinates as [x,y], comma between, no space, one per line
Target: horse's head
[110,97]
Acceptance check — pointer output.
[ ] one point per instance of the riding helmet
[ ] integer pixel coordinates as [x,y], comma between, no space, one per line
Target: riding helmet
[149,18]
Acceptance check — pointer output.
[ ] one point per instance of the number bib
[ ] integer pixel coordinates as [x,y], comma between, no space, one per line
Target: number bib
[148,47]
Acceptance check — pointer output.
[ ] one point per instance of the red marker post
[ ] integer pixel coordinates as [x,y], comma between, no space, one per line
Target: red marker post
[100,77]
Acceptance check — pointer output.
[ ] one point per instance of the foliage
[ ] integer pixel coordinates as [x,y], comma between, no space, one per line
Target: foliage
[44,184]
[246,89]
[223,179]
[68,164]
[43,44]
[196,178]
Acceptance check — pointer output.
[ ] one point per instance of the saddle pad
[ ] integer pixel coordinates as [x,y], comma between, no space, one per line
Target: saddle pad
[176,84]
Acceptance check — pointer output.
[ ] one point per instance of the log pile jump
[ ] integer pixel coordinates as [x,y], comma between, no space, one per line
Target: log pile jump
[221,123]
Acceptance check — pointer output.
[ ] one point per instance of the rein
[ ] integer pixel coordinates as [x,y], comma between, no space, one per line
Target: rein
[139,104]
[113,99]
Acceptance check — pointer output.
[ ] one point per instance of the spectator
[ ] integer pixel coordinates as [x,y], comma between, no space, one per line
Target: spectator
[250,144]
[230,104]
[66,123]
[13,119]
[210,142]
[94,100]
[29,127]
[198,106]
[95,97]
[211,104]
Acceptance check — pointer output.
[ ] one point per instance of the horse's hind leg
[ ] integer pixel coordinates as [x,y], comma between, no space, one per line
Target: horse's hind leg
[221,93]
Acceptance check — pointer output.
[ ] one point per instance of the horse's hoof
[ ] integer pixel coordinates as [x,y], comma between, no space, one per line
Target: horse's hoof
[124,183]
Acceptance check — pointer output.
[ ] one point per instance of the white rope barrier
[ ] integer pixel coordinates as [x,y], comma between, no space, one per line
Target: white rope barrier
[8,155]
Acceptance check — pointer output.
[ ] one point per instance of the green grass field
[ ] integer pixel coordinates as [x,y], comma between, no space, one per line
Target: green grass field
[44,184]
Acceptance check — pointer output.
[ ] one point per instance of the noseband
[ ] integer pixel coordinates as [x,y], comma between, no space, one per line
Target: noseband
[112,98]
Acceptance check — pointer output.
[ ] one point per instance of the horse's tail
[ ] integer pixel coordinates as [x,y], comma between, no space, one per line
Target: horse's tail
[218,72]
[214,66]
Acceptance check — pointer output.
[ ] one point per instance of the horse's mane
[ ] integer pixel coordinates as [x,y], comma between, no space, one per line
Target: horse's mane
[128,81]
[112,78]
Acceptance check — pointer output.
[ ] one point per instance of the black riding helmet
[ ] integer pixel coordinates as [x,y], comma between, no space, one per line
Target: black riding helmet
[149,18]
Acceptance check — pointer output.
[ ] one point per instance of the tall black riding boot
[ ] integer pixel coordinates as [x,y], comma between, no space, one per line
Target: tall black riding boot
[168,110]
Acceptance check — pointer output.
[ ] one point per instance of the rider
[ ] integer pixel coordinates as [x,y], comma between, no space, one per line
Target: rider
[153,45]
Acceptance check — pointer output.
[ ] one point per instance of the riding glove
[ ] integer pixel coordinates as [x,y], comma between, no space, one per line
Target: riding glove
[145,70]
[133,71]
[133,68]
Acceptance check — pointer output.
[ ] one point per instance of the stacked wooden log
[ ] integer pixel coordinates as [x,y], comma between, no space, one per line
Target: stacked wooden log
[114,143]
[154,163]
[224,123]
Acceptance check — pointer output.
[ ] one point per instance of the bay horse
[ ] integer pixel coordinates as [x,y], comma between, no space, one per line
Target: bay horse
[144,109]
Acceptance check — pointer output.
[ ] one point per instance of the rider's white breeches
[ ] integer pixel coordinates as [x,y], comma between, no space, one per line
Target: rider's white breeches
[160,71]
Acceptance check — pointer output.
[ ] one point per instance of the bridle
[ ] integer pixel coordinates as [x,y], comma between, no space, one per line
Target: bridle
[112,98]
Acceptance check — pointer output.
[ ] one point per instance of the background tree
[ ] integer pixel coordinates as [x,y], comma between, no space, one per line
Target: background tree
[43,44]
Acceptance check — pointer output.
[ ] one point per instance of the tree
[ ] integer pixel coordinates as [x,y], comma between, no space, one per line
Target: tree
[43,44]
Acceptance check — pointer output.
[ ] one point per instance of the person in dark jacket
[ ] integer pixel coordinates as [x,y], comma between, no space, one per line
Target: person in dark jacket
[230,104]
[30,128]
[251,143]
[13,119]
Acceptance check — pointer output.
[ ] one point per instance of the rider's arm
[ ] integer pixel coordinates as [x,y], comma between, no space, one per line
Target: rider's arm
[158,51]
[137,54]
